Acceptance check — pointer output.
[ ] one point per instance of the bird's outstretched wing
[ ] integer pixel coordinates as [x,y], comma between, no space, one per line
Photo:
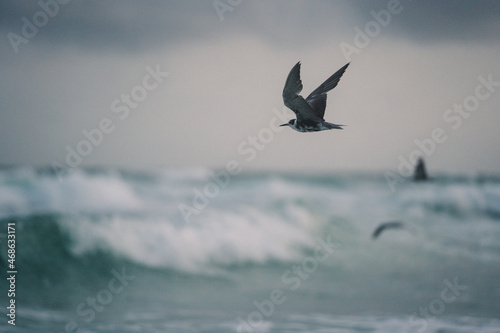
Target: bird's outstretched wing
[295,102]
[317,99]
[293,84]
[387,225]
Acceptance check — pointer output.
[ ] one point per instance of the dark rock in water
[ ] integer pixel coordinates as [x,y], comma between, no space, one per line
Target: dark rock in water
[420,172]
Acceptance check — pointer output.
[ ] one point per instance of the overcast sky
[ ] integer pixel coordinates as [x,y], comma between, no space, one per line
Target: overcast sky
[199,83]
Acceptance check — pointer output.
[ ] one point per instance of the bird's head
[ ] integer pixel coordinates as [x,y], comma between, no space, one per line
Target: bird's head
[290,123]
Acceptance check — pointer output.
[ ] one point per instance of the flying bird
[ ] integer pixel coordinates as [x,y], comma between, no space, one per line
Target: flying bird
[309,111]
[385,226]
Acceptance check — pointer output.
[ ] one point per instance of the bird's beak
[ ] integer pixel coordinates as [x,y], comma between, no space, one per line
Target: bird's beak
[284,124]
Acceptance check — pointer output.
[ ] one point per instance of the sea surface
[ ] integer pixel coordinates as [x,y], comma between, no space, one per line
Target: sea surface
[200,250]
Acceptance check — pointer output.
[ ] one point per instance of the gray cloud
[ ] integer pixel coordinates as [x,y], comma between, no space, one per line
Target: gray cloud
[438,21]
[91,52]
[139,26]
[130,26]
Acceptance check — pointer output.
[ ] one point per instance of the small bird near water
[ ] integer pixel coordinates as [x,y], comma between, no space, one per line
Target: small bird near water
[309,111]
[385,226]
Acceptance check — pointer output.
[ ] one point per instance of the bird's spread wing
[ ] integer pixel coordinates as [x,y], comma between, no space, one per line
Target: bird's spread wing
[387,225]
[293,84]
[295,102]
[317,99]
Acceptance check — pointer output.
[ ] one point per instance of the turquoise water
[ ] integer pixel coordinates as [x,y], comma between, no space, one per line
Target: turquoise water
[109,250]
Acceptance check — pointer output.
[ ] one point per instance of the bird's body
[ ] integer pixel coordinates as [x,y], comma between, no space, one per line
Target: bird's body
[311,126]
[309,111]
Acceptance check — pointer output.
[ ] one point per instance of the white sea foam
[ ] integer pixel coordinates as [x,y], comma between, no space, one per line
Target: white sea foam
[221,238]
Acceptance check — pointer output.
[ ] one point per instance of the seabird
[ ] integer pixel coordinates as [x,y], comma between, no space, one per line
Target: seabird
[309,111]
[385,226]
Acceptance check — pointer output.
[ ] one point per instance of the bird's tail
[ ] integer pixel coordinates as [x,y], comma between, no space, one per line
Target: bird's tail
[333,126]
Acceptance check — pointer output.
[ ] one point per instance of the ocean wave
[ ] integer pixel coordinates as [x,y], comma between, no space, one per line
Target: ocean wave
[257,218]
[29,190]
[220,239]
